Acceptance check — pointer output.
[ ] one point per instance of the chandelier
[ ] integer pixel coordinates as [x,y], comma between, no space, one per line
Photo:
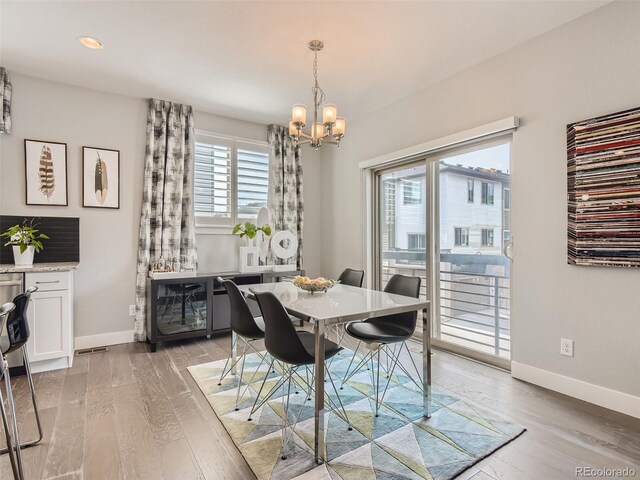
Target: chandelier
[331,129]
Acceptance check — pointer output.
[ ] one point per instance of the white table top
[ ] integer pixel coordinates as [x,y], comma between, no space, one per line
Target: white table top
[340,302]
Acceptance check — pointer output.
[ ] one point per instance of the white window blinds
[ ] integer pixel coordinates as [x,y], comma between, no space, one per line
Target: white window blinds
[213,179]
[253,179]
[231,180]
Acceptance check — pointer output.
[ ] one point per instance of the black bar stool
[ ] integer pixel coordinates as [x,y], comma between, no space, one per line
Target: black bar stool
[18,336]
[13,441]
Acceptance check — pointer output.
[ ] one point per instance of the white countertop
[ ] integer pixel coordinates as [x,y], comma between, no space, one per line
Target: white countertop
[342,301]
[39,267]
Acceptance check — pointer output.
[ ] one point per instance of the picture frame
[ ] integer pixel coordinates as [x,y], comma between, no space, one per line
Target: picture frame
[100,178]
[46,173]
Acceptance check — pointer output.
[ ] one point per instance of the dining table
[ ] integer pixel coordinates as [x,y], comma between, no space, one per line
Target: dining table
[340,305]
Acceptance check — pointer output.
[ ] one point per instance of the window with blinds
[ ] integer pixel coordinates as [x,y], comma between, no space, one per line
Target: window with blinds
[212,180]
[231,180]
[253,180]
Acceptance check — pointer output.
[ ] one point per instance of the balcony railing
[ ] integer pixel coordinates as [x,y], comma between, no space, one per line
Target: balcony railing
[475,308]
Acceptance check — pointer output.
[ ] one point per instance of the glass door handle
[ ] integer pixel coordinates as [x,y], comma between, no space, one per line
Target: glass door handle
[506,251]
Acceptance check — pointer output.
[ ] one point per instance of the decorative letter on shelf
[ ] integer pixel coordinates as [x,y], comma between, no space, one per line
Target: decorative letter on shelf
[603,179]
[283,251]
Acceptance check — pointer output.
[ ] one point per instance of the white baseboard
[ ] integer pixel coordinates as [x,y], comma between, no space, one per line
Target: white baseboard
[602,396]
[104,339]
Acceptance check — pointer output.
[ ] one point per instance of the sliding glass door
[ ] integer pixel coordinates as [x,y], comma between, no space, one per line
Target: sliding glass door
[446,218]
[402,224]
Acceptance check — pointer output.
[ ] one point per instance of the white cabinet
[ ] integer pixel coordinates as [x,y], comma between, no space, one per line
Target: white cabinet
[50,316]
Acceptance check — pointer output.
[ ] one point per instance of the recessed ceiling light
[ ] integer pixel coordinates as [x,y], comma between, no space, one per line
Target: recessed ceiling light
[90,42]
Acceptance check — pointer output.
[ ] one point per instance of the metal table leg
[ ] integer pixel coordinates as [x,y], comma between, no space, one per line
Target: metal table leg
[426,360]
[319,440]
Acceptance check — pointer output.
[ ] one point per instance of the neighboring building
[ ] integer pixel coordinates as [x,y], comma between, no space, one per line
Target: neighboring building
[474,216]
[474,212]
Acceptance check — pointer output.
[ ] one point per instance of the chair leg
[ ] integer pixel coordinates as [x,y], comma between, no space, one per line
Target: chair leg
[257,403]
[14,426]
[339,410]
[346,418]
[10,449]
[346,374]
[363,362]
[418,382]
[263,359]
[264,381]
[378,382]
[244,358]
[27,367]
[225,372]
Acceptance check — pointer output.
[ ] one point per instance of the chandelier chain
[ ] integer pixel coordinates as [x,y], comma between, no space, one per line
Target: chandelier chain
[316,87]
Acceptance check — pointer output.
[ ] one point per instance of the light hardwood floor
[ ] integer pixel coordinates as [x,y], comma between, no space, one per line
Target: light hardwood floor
[132,414]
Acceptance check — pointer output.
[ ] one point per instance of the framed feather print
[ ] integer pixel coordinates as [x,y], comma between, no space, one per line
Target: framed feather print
[46,172]
[100,178]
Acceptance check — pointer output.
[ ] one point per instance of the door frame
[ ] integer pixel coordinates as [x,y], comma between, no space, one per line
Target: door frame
[371,187]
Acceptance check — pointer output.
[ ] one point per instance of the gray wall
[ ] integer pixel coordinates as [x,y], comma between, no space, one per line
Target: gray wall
[586,68]
[105,281]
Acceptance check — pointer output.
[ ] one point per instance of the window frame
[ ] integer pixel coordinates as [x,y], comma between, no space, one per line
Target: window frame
[224,226]
[506,198]
[422,240]
[463,230]
[484,199]
[412,184]
[471,190]
[486,243]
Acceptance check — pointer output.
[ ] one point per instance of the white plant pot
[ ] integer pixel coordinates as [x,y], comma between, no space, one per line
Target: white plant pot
[23,259]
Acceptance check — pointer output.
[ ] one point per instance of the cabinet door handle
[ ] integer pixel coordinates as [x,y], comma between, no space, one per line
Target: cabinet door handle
[50,281]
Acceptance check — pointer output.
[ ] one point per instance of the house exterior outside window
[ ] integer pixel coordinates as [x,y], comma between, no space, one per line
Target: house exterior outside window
[461,237]
[487,237]
[487,193]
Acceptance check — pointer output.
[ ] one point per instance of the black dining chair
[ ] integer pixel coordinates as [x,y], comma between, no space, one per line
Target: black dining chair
[388,333]
[247,328]
[295,349]
[17,328]
[351,277]
[12,436]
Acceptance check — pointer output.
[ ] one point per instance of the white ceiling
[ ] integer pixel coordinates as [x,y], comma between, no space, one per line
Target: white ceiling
[249,60]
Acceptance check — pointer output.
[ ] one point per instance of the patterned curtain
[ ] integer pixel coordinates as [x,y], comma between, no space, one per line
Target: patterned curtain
[285,194]
[167,226]
[5,100]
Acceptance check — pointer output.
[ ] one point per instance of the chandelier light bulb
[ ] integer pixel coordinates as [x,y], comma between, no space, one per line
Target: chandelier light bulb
[317,131]
[329,114]
[299,114]
[340,127]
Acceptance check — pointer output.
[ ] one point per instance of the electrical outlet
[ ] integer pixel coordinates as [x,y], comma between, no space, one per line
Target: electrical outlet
[566,347]
[132,310]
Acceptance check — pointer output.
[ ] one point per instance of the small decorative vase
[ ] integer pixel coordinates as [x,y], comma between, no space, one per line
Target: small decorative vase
[23,259]
[250,242]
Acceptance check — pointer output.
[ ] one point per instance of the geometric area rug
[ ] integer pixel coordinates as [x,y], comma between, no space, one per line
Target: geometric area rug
[398,444]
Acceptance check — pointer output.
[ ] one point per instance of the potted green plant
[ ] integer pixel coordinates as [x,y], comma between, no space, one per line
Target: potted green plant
[25,240]
[250,230]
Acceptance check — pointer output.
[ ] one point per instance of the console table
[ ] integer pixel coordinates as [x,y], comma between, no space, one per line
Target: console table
[191,304]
